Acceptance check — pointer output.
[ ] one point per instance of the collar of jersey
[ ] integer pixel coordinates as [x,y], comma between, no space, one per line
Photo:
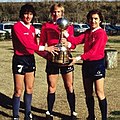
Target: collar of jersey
[96,29]
[28,26]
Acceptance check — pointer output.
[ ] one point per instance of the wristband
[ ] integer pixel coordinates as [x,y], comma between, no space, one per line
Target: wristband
[66,34]
[69,45]
[41,48]
[78,58]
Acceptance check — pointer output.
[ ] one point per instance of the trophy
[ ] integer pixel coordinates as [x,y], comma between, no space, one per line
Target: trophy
[62,57]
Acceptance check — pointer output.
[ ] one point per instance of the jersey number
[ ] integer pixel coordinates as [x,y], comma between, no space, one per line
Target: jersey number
[20,67]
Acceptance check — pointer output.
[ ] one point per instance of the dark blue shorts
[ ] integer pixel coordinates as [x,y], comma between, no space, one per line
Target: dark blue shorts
[23,64]
[93,69]
[54,68]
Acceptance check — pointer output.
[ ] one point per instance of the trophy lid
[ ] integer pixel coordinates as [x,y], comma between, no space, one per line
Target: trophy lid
[62,23]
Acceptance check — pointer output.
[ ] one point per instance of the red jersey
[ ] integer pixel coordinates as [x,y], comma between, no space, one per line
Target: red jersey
[50,33]
[24,40]
[94,43]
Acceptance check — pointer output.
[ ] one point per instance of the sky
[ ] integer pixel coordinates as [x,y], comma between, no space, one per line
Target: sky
[47,0]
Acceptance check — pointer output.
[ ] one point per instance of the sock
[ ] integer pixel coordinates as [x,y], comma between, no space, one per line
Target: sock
[16,105]
[90,106]
[71,101]
[103,108]
[50,101]
[27,103]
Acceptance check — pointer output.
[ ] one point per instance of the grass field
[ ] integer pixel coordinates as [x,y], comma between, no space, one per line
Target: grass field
[61,108]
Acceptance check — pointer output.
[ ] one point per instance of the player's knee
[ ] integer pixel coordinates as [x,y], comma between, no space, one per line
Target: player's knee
[69,88]
[29,90]
[100,94]
[18,93]
[52,89]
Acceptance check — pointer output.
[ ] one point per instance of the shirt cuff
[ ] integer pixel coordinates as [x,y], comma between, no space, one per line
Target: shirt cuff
[41,48]
[66,34]
[78,58]
[69,45]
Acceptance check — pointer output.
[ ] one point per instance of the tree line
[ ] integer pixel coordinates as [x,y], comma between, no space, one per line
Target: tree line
[74,11]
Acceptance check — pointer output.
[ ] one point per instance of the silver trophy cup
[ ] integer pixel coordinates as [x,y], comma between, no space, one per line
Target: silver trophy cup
[62,57]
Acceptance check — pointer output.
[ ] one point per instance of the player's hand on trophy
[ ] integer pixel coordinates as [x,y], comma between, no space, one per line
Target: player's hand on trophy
[65,33]
[52,50]
[74,60]
[64,42]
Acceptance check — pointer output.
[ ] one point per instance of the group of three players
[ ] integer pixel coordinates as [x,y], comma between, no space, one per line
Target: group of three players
[23,64]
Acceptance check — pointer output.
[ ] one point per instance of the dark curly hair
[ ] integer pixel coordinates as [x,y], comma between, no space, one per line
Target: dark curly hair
[26,8]
[95,11]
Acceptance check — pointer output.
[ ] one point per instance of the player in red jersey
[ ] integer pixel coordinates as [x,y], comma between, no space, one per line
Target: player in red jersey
[23,64]
[93,68]
[50,35]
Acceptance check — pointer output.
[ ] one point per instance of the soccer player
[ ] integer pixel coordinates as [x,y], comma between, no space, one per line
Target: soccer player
[93,68]
[23,64]
[50,35]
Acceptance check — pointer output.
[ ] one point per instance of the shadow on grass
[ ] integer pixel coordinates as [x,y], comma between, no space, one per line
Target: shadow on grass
[114,115]
[6,102]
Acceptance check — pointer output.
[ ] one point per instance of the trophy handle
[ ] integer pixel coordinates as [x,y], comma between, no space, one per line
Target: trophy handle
[61,36]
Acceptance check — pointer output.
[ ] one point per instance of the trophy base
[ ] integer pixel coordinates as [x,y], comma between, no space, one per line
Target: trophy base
[62,58]
[61,62]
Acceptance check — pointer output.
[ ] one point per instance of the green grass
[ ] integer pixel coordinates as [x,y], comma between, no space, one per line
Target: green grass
[113,41]
[114,118]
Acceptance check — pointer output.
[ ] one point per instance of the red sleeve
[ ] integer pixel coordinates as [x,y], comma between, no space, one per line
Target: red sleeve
[43,35]
[70,30]
[72,39]
[44,54]
[28,43]
[76,40]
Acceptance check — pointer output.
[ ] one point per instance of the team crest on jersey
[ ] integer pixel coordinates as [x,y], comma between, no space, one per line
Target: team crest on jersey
[98,73]
[33,34]
[26,33]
